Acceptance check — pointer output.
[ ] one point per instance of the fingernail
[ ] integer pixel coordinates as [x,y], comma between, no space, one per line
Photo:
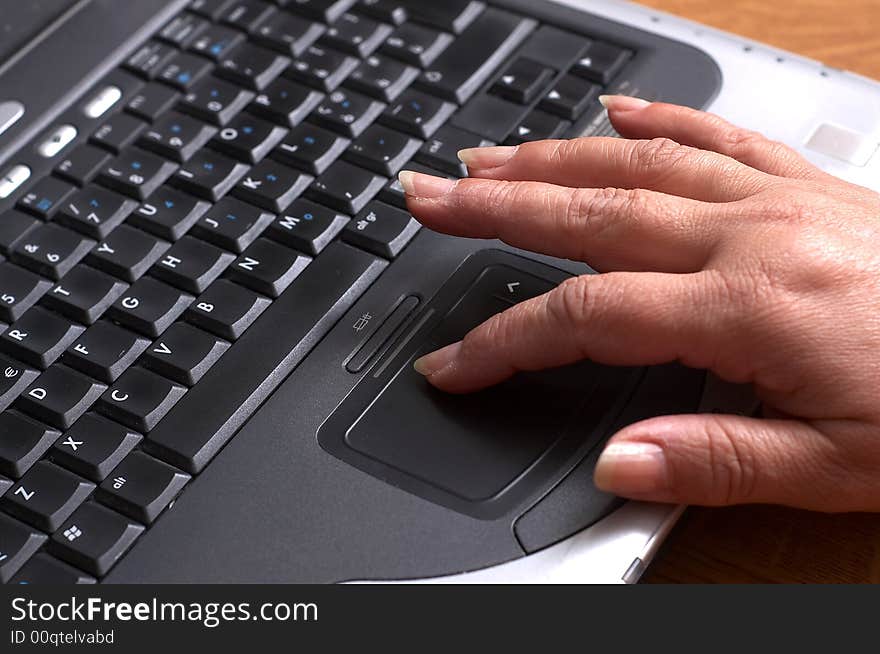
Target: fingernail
[622,103]
[435,361]
[631,468]
[424,186]
[483,158]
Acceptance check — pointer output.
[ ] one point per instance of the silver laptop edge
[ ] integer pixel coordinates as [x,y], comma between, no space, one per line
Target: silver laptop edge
[830,116]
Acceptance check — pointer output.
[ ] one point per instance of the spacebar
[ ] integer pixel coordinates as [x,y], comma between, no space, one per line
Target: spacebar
[219,404]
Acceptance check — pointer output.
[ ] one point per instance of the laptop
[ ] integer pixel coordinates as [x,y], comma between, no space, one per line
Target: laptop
[212,291]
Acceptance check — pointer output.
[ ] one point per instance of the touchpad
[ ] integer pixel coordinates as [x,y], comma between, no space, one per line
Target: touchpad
[487,453]
[473,446]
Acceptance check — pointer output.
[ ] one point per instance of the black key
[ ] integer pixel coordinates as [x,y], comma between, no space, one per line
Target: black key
[183,70]
[152,101]
[19,290]
[248,138]
[322,67]
[195,430]
[51,250]
[381,229]
[43,569]
[44,197]
[325,11]
[388,11]
[232,225]
[416,44]
[120,131]
[136,173]
[523,81]
[46,495]
[149,307]
[490,116]
[601,62]
[150,58]
[94,446]
[268,268]
[183,353]
[95,211]
[346,188]
[104,351]
[381,77]
[13,226]
[450,15]
[285,102]
[310,148]
[227,310]
[307,227]
[272,186]
[252,66]
[139,399]
[168,213]
[441,151]
[347,112]
[215,101]
[181,30]
[216,41]
[570,97]
[209,8]
[382,150]
[288,34]
[191,264]
[417,113]
[177,136]
[39,337]
[82,164]
[84,294]
[94,538]
[247,14]
[356,34]
[209,175]
[127,253]
[480,49]
[14,378]
[538,126]
[59,396]
[18,543]
[555,48]
[24,442]
[142,487]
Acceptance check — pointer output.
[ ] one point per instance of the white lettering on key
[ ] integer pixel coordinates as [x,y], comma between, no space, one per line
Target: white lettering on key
[37,393]
[119,396]
[248,264]
[131,302]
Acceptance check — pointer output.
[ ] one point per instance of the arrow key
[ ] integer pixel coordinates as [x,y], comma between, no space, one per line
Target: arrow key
[184,353]
[538,126]
[523,80]
[570,97]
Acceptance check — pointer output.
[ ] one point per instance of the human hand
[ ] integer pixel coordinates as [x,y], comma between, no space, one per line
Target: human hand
[719,249]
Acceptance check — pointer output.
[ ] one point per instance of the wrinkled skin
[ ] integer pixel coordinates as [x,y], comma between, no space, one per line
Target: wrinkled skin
[718,248]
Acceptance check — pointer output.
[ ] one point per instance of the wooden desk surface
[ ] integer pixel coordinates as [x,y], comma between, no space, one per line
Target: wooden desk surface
[762,543]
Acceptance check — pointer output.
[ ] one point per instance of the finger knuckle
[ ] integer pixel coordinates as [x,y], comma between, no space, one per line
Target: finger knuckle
[603,212]
[732,465]
[572,302]
[657,154]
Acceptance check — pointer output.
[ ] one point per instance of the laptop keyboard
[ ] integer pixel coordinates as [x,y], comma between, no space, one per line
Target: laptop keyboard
[242,178]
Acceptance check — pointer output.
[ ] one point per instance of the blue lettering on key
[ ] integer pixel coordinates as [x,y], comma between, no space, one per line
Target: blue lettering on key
[229,216]
[308,216]
[169,204]
[271,177]
[247,129]
[94,203]
[309,140]
[176,128]
[208,166]
[136,165]
[44,205]
[184,77]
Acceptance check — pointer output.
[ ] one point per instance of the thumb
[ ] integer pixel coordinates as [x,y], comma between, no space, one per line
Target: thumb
[717,460]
